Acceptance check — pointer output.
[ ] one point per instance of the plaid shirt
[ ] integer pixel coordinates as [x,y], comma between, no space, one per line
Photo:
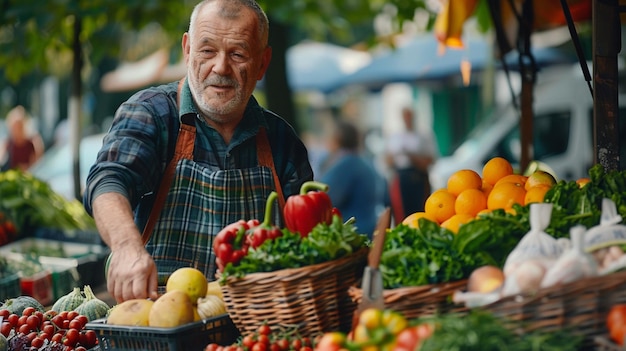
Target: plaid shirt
[142,138]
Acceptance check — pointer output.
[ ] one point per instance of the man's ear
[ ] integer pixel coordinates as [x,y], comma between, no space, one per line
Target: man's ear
[186,46]
[265,62]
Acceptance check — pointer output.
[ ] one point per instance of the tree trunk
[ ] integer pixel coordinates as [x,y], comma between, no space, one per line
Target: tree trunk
[74,107]
[277,90]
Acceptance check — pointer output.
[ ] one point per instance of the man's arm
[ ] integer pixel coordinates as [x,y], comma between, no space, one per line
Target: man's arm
[131,272]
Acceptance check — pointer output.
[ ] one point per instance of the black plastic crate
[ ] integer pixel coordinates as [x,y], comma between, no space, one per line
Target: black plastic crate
[189,337]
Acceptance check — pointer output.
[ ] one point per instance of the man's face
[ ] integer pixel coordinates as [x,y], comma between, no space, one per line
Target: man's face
[225,58]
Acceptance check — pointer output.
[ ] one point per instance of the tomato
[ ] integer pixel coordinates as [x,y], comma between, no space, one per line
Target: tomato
[212,347]
[283,344]
[393,321]
[6,328]
[33,322]
[333,341]
[29,311]
[71,337]
[263,339]
[371,318]
[616,323]
[265,330]
[407,339]
[248,341]
[259,346]
[296,344]
[4,313]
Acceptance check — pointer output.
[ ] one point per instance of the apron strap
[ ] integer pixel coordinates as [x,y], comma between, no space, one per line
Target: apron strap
[184,150]
[264,154]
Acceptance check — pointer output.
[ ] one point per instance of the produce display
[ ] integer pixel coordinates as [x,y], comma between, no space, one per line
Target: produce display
[22,198]
[26,325]
[506,234]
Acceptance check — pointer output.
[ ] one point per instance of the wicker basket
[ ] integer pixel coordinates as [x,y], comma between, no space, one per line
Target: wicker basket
[313,298]
[580,307]
[417,301]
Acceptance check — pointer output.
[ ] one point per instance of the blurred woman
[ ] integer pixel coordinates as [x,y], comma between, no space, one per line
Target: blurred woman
[22,148]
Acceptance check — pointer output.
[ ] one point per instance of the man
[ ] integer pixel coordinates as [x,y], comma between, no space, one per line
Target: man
[409,153]
[222,176]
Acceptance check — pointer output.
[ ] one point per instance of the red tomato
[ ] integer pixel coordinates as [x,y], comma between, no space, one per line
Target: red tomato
[333,341]
[28,311]
[407,339]
[265,330]
[248,341]
[259,347]
[616,323]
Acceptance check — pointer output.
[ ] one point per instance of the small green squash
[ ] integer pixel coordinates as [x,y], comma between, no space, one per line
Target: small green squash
[69,302]
[18,304]
[4,344]
[93,308]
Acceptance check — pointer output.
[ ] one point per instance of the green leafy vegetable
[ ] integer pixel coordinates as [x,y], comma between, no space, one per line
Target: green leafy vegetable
[326,242]
[482,331]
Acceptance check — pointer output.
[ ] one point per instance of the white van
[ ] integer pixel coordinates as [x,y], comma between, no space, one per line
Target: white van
[562,131]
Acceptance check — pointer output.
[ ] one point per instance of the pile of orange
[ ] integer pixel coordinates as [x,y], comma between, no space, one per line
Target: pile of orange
[469,194]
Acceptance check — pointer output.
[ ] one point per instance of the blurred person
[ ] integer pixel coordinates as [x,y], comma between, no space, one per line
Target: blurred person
[233,153]
[353,183]
[409,154]
[23,146]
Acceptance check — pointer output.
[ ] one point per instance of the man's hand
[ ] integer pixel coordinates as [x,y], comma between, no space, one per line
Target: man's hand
[132,274]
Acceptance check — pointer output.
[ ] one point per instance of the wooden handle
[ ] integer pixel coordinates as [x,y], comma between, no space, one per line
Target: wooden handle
[384,221]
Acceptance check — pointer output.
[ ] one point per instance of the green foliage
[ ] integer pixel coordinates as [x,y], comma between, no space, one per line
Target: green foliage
[31,203]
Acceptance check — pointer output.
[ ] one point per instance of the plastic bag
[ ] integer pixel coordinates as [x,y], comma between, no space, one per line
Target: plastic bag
[536,244]
[574,264]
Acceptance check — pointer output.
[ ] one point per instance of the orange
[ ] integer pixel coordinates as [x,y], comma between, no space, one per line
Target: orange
[505,194]
[462,180]
[455,222]
[412,219]
[582,182]
[513,178]
[539,177]
[470,202]
[440,205]
[486,188]
[495,169]
[536,193]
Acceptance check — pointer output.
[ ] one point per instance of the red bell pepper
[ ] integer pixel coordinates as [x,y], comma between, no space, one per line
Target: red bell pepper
[230,244]
[266,230]
[306,210]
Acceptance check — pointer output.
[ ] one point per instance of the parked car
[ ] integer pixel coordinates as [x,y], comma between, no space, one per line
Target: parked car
[56,168]
[562,131]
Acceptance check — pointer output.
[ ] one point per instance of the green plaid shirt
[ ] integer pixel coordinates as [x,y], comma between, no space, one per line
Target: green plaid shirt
[142,138]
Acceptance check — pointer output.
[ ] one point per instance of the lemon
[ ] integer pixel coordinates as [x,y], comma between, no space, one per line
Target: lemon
[189,280]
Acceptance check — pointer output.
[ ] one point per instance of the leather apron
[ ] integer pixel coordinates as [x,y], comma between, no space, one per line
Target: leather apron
[200,202]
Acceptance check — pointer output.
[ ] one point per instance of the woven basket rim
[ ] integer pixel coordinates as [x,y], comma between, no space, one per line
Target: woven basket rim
[570,289]
[292,271]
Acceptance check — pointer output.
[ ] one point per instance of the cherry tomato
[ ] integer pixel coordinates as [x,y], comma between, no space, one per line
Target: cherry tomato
[24,329]
[616,323]
[33,322]
[283,344]
[6,328]
[37,342]
[265,329]
[263,339]
[29,311]
[259,347]
[71,315]
[4,313]
[212,347]
[90,338]
[332,341]
[22,320]
[48,329]
[58,337]
[76,324]
[248,341]
[13,319]
[71,337]
[296,344]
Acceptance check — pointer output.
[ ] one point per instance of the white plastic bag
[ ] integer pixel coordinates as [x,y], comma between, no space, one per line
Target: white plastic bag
[536,244]
[574,264]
